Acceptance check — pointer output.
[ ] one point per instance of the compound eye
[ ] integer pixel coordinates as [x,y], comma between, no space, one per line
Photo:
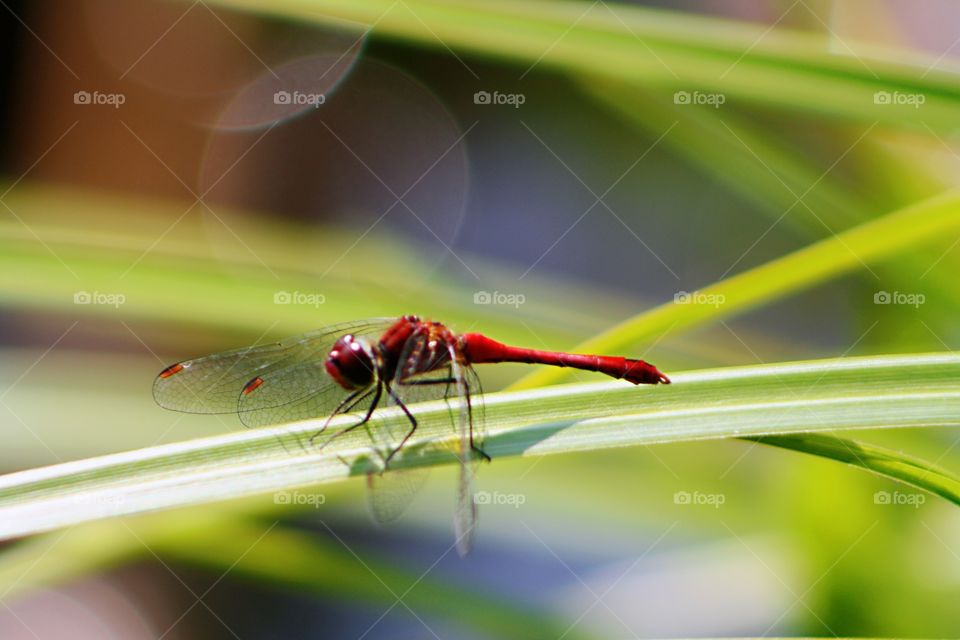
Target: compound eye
[349,364]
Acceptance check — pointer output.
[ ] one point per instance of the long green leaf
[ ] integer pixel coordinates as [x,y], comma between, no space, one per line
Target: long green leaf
[892,464]
[894,391]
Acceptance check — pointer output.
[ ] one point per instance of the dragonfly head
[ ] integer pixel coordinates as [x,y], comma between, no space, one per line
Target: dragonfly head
[351,363]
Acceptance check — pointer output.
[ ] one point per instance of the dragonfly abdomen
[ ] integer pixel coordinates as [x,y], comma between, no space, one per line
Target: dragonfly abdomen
[479,349]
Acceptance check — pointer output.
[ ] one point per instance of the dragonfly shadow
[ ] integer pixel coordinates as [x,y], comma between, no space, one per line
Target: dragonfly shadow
[428,453]
[390,491]
[412,456]
[519,441]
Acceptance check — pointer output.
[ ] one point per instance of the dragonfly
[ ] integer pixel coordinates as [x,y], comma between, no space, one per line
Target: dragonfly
[356,367]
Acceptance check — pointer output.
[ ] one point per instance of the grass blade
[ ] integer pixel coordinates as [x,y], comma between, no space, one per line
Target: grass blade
[892,464]
[892,391]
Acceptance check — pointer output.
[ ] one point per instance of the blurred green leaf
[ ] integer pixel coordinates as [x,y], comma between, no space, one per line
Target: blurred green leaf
[196,277]
[749,63]
[223,540]
[926,222]
[310,563]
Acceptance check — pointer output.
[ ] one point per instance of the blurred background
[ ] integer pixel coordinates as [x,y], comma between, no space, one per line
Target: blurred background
[181,178]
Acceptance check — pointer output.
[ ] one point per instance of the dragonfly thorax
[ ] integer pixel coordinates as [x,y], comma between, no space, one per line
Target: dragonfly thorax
[351,363]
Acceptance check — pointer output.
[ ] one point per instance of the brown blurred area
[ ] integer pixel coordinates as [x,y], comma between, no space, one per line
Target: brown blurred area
[69,51]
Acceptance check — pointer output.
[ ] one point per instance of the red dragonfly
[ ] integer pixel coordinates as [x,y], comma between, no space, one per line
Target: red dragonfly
[353,367]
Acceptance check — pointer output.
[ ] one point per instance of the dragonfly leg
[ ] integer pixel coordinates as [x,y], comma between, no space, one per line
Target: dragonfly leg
[345,406]
[483,454]
[413,427]
[448,381]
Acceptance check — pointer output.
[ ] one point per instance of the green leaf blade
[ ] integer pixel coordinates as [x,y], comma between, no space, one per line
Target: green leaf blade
[849,393]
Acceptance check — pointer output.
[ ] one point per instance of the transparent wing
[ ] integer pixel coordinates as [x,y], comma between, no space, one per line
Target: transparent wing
[297,392]
[389,495]
[302,388]
[213,384]
[392,492]
[469,431]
